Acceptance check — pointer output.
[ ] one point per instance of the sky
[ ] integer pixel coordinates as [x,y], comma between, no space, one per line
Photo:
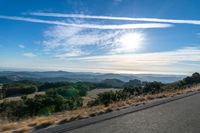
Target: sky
[104,36]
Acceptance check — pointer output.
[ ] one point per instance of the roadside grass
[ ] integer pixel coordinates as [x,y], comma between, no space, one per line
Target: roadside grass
[36,123]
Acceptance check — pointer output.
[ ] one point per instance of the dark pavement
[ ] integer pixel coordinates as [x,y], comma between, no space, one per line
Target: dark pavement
[180,116]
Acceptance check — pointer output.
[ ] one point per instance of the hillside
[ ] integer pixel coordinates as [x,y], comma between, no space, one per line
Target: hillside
[55,76]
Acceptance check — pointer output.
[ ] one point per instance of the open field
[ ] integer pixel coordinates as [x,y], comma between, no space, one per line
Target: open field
[95,92]
[84,112]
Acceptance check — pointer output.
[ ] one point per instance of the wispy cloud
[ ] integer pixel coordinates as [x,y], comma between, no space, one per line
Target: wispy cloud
[21,46]
[29,54]
[90,26]
[174,21]
[159,58]
[71,53]
[179,60]
[70,38]
[69,41]
[64,41]
[185,60]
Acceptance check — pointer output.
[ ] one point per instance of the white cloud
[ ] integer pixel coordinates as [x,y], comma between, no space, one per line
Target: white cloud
[72,53]
[90,26]
[179,60]
[162,58]
[69,41]
[175,21]
[29,54]
[21,46]
[69,38]
[184,60]
[65,41]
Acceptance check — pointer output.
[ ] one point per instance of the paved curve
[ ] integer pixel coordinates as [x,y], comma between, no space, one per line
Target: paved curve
[180,116]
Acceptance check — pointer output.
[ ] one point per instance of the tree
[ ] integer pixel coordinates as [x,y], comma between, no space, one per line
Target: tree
[133,83]
[106,97]
[153,87]
[15,89]
[66,92]
[196,77]
[48,85]
[82,87]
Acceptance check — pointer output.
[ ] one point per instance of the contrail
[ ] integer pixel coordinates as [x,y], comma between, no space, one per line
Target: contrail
[175,21]
[90,26]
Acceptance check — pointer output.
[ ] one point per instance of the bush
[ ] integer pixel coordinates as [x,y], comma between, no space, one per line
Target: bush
[65,92]
[134,90]
[106,97]
[39,105]
[13,109]
[185,83]
[18,90]
[153,87]
[133,83]
[109,97]
[47,85]
[45,111]
[93,103]
[83,87]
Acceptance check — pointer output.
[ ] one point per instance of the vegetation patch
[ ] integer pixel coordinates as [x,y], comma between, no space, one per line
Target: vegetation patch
[65,104]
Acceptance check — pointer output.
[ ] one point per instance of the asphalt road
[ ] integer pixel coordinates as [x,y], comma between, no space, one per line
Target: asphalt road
[180,116]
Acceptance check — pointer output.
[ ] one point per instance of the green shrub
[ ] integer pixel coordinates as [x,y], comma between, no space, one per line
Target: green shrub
[49,85]
[45,111]
[66,92]
[18,88]
[39,105]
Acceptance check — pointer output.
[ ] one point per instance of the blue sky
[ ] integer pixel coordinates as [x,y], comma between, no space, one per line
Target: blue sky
[118,36]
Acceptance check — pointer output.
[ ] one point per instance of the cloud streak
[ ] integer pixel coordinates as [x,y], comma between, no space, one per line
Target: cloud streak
[174,21]
[191,54]
[21,46]
[29,54]
[69,41]
[183,60]
[89,26]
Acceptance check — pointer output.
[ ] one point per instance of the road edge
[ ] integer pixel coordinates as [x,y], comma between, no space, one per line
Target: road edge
[107,116]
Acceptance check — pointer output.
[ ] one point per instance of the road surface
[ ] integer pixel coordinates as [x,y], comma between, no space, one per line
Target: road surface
[180,116]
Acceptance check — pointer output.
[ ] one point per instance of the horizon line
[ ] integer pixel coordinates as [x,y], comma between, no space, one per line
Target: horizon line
[17,69]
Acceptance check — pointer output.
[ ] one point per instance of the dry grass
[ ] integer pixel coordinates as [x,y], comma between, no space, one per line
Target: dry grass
[93,94]
[19,97]
[84,112]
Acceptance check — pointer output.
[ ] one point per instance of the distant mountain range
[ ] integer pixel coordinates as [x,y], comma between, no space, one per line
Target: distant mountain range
[54,76]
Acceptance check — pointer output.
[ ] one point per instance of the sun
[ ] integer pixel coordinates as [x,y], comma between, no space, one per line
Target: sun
[130,42]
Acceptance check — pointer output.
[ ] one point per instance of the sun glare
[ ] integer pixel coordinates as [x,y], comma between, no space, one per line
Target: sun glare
[130,42]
